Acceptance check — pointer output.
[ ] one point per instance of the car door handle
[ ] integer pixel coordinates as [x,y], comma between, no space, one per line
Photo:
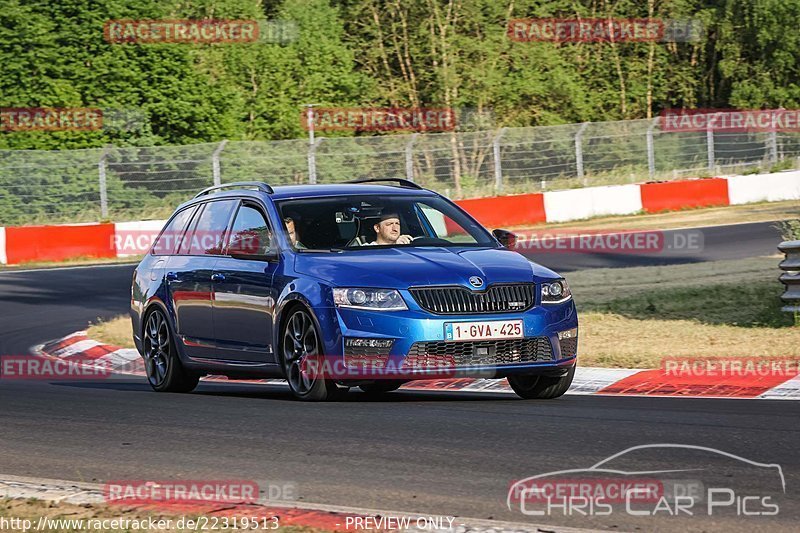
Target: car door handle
[217,277]
[172,276]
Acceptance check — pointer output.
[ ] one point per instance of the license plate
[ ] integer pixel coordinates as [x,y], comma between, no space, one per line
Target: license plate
[472,331]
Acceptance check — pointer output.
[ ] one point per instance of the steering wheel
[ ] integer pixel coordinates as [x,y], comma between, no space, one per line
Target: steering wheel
[355,241]
[424,240]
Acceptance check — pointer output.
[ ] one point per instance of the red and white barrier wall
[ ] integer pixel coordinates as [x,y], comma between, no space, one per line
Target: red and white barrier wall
[54,243]
[25,244]
[577,204]
[135,238]
[764,187]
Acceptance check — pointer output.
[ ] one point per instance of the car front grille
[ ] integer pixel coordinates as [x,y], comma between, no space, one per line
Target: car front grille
[505,298]
[478,353]
[569,347]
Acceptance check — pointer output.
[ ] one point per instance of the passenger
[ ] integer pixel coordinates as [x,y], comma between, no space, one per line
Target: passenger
[292,231]
[388,231]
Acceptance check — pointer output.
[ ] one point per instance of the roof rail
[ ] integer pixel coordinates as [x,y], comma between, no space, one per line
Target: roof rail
[259,185]
[401,182]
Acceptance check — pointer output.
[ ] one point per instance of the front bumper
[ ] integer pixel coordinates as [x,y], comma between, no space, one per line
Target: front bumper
[416,330]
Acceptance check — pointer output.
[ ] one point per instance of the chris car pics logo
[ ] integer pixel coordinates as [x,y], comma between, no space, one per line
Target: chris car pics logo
[685,480]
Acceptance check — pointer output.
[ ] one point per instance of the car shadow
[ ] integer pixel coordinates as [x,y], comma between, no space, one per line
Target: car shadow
[281,392]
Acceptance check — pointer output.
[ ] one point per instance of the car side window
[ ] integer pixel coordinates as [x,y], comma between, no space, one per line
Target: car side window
[170,238]
[250,234]
[209,232]
[186,239]
[442,225]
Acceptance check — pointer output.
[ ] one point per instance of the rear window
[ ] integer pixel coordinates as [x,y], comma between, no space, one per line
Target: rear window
[172,234]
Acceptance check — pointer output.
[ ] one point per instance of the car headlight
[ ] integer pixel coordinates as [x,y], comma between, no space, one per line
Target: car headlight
[373,299]
[555,292]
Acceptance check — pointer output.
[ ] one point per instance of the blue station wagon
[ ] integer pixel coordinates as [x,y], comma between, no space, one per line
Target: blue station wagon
[367,284]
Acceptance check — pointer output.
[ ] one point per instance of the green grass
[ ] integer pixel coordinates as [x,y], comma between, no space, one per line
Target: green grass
[635,317]
[750,305]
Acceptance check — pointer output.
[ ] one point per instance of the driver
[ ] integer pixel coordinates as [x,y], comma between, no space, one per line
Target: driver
[387,230]
[292,231]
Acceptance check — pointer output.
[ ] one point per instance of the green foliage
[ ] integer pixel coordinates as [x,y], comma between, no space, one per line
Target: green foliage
[372,52]
[790,229]
[756,53]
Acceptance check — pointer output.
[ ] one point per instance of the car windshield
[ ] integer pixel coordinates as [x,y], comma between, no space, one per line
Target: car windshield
[358,222]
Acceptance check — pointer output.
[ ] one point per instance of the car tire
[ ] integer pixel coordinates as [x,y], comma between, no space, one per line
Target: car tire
[380,387]
[541,387]
[300,340]
[163,367]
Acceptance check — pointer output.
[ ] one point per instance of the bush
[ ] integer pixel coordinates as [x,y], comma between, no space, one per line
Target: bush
[790,229]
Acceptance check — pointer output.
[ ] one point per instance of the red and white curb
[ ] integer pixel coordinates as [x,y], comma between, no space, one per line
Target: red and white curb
[298,514]
[77,347]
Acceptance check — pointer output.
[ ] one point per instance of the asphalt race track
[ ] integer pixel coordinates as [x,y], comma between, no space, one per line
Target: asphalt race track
[716,243]
[439,453]
[46,304]
[428,453]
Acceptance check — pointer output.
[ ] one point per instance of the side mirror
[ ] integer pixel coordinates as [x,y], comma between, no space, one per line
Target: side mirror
[506,238]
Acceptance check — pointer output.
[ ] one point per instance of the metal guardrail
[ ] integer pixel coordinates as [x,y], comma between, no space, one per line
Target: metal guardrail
[791,275]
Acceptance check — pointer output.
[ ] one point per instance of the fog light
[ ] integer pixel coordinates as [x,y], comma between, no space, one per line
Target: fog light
[568,334]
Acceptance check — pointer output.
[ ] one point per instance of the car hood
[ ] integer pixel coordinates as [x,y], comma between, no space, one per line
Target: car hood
[399,268]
